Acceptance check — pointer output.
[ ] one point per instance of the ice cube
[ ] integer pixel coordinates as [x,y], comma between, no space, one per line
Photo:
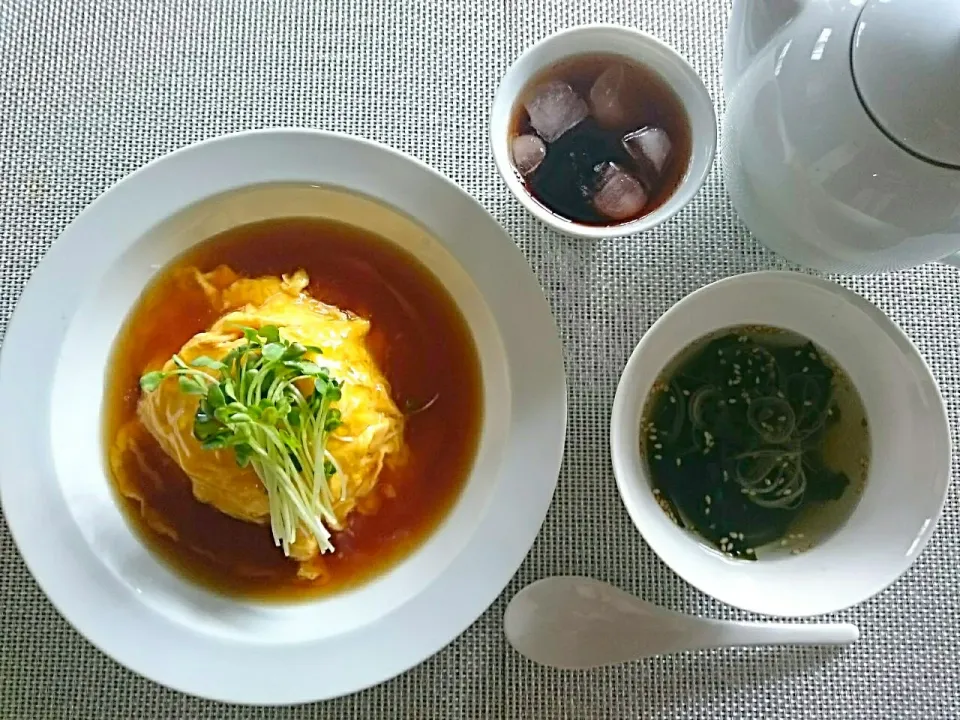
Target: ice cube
[528,152]
[619,195]
[608,97]
[554,109]
[649,145]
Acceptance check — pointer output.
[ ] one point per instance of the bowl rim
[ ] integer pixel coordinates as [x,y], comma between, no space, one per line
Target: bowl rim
[107,613]
[626,455]
[648,47]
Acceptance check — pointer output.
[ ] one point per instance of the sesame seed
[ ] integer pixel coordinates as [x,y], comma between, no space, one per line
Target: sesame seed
[750,551]
[813,356]
[732,401]
[678,462]
[707,499]
[658,446]
[807,403]
[686,392]
[673,399]
[656,491]
[706,511]
[805,369]
[658,457]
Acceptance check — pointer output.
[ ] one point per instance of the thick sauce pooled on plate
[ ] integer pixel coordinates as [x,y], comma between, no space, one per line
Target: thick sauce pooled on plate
[282,367]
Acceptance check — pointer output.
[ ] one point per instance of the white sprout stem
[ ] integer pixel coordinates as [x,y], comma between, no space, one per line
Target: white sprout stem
[309,512]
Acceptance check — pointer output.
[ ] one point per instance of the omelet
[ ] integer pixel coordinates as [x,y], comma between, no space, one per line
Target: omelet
[369,435]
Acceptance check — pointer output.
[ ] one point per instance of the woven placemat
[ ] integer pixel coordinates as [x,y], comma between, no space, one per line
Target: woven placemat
[91,90]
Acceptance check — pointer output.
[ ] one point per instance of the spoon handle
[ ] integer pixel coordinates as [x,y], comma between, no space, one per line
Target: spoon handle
[758,633]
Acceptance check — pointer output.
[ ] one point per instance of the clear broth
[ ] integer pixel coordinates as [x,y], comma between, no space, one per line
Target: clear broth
[846,446]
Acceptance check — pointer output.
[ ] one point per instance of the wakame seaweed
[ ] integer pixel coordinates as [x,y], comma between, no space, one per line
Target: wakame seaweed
[735,439]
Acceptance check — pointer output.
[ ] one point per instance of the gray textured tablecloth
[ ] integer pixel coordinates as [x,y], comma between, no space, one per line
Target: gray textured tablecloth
[92,89]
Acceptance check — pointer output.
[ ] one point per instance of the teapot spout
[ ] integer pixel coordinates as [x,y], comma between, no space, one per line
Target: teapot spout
[753,24]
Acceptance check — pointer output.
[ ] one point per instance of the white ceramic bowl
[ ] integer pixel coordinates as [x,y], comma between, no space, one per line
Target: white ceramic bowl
[910,446]
[57,498]
[634,45]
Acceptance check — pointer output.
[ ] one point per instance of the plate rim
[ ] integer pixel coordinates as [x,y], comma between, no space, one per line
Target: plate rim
[503,560]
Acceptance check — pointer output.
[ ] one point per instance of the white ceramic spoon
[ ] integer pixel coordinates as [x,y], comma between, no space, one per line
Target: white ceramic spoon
[577,622]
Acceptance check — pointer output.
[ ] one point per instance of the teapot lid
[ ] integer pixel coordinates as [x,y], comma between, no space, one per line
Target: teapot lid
[906,66]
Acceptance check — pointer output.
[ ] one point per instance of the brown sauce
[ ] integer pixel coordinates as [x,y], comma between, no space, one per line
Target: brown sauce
[566,181]
[418,338]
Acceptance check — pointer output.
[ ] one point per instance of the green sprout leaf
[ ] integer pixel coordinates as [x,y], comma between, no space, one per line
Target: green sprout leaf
[216,397]
[215,442]
[270,333]
[294,351]
[243,453]
[191,385]
[151,381]
[333,421]
[306,367]
[273,351]
[204,362]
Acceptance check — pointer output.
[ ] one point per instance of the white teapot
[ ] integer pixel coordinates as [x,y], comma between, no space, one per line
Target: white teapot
[841,141]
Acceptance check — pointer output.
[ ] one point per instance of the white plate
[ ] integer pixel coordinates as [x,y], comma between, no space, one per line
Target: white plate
[55,491]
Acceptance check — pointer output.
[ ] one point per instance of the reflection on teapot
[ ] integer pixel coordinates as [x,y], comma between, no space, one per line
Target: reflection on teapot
[841,141]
